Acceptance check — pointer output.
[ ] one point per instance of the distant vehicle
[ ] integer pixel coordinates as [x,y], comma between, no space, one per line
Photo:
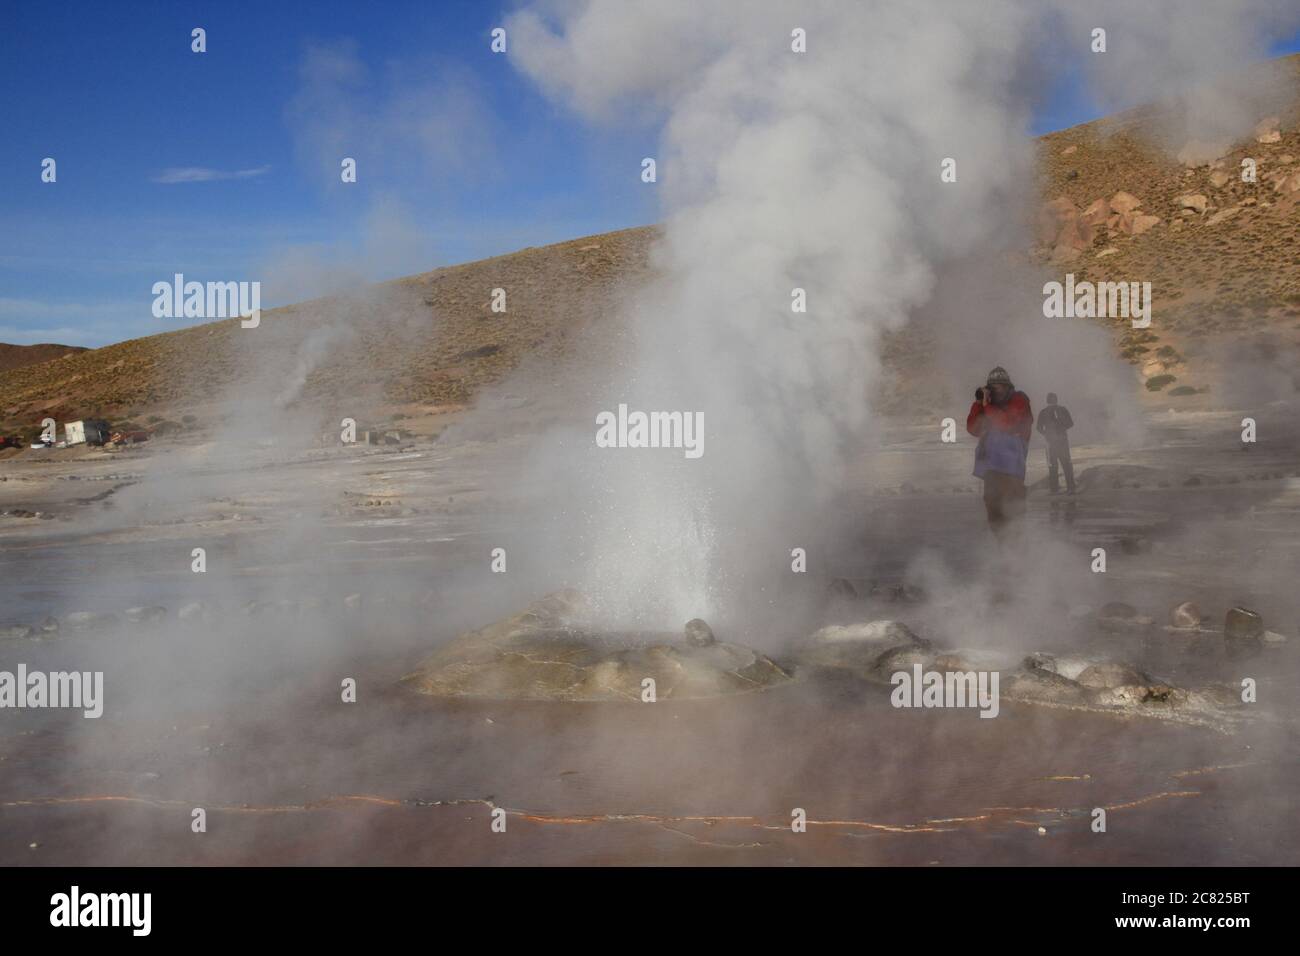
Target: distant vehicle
[10,441]
[91,431]
[129,438]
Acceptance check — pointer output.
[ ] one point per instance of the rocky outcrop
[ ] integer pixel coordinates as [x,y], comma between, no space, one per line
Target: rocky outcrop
[548,652]
[876,650]
[1267,131]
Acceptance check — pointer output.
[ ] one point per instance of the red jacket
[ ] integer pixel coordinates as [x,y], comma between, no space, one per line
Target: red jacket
[1015,416]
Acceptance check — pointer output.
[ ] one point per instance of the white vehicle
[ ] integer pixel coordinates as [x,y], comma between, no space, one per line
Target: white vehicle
[90,431]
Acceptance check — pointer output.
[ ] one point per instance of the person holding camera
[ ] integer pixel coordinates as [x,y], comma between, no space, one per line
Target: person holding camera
[1002,420]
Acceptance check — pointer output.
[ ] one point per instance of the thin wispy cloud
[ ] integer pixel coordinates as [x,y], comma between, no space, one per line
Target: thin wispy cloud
[203,174]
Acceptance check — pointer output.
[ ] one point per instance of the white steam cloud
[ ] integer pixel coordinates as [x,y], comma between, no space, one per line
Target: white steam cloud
[821,171]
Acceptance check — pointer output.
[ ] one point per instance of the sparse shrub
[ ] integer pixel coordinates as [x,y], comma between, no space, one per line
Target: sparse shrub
[1157,382]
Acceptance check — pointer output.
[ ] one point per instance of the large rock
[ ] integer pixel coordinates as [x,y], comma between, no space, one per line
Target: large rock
[1075,234]
[1135,223]
[699,634]
[870,649]
[1196,202]
[1243,630]
[1053,216]
[1267,131]
[1097,213]
[548,652]
[1186,614]
[1123,202]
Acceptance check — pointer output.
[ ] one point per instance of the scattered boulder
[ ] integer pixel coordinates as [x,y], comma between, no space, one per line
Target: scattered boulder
[1220,178]
[699,634]
[1123,202]
[1186,614]
[842,588]
[16,632]
[1097,213]
[50,625]
[882,633]
[283,608]
[1135,223]
[143,615]
[194,611]
[864,647]
[1196,202]
[1222,215]
[1052,216]
[1267,131]
[89,620]
[1067,667]
[1243,630]
[1041,686]
[1287,184]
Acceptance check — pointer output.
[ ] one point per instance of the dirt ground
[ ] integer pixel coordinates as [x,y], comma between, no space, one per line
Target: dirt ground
[381,551]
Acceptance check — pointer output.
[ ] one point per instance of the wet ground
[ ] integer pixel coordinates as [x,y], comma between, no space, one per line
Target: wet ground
[242,716]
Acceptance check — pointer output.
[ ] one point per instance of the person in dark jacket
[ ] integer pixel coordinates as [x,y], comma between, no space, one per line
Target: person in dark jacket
[1053,425]
[1002,420]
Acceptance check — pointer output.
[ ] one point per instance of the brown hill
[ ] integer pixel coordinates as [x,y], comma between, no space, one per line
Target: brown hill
[431,338]
[20,356]
[1222,275]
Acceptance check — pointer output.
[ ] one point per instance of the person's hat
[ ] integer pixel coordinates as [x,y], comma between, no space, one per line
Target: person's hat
[998,376]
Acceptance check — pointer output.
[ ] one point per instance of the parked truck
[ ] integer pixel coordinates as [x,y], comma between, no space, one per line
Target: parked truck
[90,431]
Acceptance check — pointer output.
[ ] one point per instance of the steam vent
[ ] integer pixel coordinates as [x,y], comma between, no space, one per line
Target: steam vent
[544,653]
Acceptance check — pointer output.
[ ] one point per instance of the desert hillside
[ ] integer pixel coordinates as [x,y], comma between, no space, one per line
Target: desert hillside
[20,356]
[1222,256]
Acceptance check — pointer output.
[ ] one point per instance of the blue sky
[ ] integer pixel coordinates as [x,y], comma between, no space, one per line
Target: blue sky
[211,164]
